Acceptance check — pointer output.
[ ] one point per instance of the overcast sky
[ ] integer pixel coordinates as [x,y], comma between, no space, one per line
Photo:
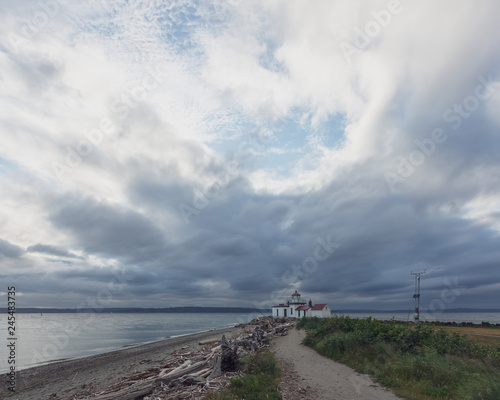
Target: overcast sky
[226,153]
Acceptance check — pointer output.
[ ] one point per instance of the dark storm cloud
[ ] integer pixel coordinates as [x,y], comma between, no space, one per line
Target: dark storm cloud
[376,234]
[10,250]
[398,235]
[159,193]
[136,276]
[243,243]
[106,229]
[52,250]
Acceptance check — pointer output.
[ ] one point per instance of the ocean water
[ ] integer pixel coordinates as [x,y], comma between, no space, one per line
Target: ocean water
[45,338]
[51,337]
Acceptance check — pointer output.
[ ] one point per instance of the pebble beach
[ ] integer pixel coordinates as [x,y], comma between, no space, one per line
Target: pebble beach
[82,377]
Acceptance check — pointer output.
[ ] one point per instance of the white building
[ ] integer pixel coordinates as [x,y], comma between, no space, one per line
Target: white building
[321,311]
[298,308]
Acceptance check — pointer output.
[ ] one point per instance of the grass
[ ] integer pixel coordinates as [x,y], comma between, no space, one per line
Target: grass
[417,362]
[493,338]
[260,382]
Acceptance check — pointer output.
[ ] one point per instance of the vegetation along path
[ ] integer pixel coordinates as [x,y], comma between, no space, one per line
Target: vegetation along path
[308,375]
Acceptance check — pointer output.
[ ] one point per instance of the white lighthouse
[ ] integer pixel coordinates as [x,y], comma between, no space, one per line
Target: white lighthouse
[296,307]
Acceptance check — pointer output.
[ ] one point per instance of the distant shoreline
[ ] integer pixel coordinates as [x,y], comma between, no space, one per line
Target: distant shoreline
[130,310]
[228,310]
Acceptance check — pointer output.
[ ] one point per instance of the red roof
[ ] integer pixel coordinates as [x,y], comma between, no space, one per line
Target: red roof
[319,307]
[296,293]
[302,308]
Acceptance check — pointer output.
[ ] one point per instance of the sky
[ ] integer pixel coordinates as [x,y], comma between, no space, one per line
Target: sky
[227,153]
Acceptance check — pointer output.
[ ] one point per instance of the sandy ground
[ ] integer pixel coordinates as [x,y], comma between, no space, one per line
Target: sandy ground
[310,376]
[65,379]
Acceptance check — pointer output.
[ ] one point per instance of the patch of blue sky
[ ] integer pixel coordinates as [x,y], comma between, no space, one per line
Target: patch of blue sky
[332,132]
[228,136]
[291,140]
[179,25]
[298,142]
[174,24]
[283,161]
[274,144]
[110,29]
[269,61]
[289,133]
[6,165]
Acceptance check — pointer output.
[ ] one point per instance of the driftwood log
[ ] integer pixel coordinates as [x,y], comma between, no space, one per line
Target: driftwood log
[131,392]
[209,341]
[177,373]
[189,374]
[217,370]
[229,357]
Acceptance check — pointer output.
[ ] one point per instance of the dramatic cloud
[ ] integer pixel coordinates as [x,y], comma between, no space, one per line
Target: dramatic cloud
[53,250]
[226,154]
[10,250]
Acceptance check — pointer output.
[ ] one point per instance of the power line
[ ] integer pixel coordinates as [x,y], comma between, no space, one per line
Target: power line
[416,296]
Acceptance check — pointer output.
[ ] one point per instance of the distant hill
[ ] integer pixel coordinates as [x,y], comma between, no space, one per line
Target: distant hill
[238,310]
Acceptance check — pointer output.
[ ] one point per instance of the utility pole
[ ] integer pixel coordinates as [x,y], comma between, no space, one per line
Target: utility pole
[416,296]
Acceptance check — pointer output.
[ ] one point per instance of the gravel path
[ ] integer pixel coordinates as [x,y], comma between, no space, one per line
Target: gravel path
[310,376]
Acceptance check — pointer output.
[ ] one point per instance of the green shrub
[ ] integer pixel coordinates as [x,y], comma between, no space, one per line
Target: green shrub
[417,361]
[260,382]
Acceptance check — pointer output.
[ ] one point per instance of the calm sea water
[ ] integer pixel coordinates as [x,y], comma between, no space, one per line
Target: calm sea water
[43,339]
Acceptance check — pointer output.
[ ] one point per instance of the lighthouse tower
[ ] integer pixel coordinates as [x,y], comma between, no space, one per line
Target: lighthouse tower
[296,300]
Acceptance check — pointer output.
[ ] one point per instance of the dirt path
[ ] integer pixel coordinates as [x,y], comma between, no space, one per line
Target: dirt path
[310,376]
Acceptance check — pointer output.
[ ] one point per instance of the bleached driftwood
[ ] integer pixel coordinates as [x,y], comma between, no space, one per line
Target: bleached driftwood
[180,373]
[209,341]
[180,367]
[190,374]
[216,370]
[141,388]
